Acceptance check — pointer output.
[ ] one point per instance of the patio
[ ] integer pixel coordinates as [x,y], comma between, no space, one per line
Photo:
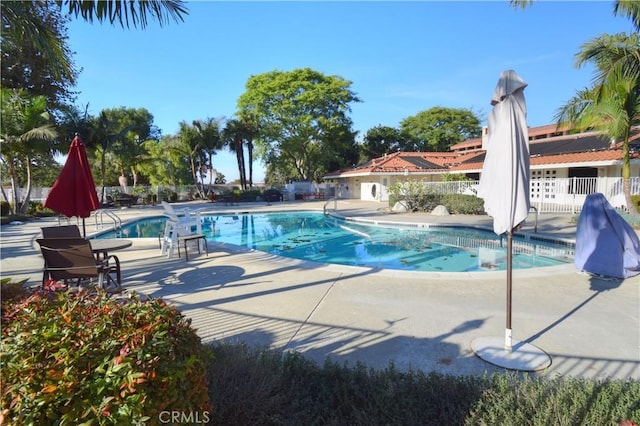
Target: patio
[416,320]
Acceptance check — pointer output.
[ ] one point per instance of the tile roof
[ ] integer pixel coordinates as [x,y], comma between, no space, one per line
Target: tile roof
[557,147]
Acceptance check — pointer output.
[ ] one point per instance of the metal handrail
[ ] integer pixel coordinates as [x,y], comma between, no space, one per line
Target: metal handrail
[335,205]
[535,229]
[117,222]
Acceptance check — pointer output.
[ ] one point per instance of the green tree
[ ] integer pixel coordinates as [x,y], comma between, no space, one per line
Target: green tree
[221,179]
[199,141]
[627,8]
[210,135]
[26,25]
[612,105]
[381,140]
[165,162]
[26,132]
[25,64]
[238,134]
[134,126]
[114,138]
[233,136]
[299,114]
[437,128]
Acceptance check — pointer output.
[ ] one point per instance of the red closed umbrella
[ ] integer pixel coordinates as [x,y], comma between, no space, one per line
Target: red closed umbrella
[74,192]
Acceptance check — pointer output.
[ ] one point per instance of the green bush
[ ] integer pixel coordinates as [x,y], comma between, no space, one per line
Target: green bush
[11,290]
[255,387]
[36,208]
[463,204]
[250,195]
[250,386]
[562,401]
[71,358]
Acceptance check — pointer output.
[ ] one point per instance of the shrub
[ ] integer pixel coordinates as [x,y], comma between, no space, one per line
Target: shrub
[250,195]
[71,358]
[253,386]
[418,198]
[463,204]
[561,401]
[36,208]
[11,290]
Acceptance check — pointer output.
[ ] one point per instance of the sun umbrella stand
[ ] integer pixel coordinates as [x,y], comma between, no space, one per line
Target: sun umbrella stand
[506,352]
[504,186]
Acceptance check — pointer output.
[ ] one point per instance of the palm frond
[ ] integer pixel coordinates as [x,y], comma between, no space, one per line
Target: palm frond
[629,9]
[127,13]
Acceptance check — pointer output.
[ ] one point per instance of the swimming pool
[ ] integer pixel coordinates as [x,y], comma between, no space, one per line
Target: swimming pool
[327,239]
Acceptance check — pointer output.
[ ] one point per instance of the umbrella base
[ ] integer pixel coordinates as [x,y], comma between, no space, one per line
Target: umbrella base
[522,356]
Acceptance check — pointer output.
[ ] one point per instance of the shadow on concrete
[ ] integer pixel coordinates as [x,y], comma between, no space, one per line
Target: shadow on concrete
[351,345]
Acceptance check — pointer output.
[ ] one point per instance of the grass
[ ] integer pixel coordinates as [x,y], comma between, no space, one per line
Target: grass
[254,386]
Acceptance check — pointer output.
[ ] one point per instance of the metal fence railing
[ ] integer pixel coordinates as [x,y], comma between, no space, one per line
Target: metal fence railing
[557,195]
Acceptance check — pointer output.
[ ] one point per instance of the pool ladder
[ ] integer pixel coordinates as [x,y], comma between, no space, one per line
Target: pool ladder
[99,219]
[335,204]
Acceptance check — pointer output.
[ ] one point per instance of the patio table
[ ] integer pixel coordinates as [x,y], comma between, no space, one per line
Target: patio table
[102,247]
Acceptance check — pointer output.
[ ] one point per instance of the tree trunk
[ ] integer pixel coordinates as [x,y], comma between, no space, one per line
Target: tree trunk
[626,189]
[626,177]
[25,203]
[240,161]
[250,153]
[14,187]
[103,171]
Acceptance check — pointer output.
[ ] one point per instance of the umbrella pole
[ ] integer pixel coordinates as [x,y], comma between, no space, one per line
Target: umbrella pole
[507,334]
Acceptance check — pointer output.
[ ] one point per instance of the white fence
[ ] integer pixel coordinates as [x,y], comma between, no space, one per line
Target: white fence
[558,195]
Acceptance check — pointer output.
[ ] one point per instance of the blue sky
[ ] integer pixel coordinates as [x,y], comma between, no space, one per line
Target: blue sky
[401,57]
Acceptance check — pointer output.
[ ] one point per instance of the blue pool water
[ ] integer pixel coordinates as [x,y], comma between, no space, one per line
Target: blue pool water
[326,239]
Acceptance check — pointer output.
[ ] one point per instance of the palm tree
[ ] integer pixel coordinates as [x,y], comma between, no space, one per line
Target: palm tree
[22,22]
[628,8]
[612,105]
[209,134]
[126,12]
[249,132]
[233,136]
[25,130]
[189,147]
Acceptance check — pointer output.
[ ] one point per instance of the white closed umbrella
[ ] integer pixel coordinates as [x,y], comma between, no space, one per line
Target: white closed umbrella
[504,187]
[504,183]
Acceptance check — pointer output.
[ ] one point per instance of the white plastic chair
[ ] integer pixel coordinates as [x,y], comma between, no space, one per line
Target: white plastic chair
[176,232]
[183,216]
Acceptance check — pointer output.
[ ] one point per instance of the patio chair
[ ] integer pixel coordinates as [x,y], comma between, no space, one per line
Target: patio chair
[180,232]
[68,259]
[183,217]
[65,231]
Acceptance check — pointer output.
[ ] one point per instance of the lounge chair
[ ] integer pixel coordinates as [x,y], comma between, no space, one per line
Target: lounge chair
[65,231]
[67,259]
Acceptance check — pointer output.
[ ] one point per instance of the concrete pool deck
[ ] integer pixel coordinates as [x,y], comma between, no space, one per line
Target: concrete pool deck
[426,321]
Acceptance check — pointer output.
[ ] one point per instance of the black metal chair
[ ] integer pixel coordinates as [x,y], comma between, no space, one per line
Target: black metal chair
[64,231]
[68,259]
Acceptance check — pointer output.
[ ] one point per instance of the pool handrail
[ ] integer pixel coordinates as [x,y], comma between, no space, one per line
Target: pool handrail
[335,205]
[117,222]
